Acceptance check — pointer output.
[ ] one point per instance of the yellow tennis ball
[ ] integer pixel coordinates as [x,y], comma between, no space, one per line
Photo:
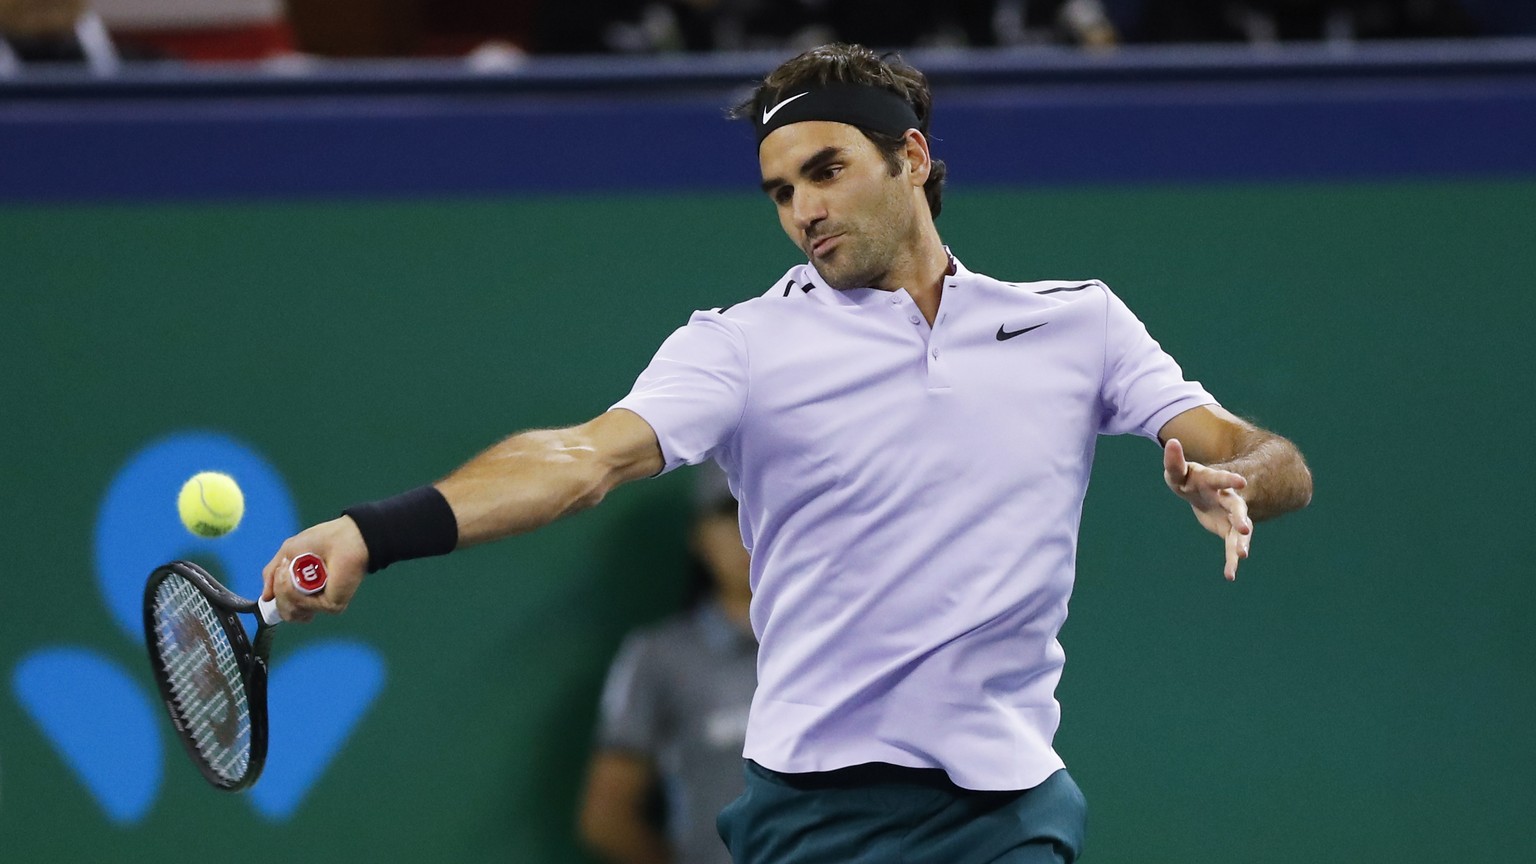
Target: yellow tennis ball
[210,504]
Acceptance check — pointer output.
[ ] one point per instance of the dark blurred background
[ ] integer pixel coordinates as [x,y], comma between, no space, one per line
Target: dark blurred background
[57,30]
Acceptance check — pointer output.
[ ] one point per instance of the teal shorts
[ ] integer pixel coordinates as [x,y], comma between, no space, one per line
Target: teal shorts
[885,814]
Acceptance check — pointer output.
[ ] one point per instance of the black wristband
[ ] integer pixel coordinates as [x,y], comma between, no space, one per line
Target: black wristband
[415,524]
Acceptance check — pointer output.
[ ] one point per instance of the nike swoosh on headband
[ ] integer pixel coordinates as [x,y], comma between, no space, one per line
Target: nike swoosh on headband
[769,112]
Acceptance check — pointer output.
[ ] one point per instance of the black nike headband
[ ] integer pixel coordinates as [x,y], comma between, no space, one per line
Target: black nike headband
[874,109]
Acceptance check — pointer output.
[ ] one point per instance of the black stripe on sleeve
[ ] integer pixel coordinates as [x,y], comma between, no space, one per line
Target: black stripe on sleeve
[1065,288]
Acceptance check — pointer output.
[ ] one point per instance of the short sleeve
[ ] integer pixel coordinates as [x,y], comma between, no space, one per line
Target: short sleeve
[632,714]
[1143,387]
[694,391]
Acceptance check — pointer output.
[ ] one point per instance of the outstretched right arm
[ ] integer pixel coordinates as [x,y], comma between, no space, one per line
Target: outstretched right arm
[519,484]
[531,479]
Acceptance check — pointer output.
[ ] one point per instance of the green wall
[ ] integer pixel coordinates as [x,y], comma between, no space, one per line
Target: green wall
[1362,693]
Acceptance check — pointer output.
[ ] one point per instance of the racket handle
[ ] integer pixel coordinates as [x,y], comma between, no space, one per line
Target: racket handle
[308,573]
[309,576]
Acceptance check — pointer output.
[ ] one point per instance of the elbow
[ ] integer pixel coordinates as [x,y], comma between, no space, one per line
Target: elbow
[1303,481]
[1285,484]
[1298,490]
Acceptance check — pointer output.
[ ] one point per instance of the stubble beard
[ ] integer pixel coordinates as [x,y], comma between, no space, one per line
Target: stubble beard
[859,261]
[870,244]
[851,276]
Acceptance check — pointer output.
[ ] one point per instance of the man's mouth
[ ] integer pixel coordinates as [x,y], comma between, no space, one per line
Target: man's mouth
[823,245]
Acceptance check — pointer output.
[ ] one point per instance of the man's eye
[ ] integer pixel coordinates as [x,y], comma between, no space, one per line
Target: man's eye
[782,195]
[829,172]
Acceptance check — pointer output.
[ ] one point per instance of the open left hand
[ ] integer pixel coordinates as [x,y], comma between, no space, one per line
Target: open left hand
[1213,495]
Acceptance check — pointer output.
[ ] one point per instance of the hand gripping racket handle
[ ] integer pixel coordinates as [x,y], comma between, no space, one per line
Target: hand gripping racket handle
[309,576]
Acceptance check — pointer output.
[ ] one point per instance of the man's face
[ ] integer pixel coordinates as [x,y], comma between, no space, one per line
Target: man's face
[837,200]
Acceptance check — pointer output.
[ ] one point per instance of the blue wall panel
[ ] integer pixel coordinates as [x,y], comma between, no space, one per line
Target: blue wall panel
[372,134]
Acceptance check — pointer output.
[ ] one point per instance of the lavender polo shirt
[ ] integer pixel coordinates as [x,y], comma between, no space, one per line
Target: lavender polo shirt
[911,499]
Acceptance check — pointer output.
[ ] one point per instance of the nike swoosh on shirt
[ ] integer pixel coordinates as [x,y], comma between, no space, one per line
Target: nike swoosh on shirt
[1004,335]
[769,112]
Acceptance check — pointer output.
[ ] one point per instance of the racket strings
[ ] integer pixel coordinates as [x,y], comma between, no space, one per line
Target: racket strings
[207,688]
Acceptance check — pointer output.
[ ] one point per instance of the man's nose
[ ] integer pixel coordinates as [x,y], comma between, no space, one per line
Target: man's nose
[809,208]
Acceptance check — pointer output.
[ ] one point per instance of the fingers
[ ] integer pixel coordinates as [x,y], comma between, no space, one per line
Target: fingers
[269,577]
[1239,536]
[1175,468]
[341,547]
[1186,477]
[1205,477]
[1213,493]
[1236,551]
[1190,480]
[293,603]
[277,582]
[1237,509]
[282,588]
[1220,479]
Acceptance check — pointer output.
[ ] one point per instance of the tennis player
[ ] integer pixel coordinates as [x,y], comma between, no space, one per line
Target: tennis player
[910,442]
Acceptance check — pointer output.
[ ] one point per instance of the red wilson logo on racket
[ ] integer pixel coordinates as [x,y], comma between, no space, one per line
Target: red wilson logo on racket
[308,573]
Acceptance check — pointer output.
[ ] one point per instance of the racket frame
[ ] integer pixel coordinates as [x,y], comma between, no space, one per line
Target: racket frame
[250,659]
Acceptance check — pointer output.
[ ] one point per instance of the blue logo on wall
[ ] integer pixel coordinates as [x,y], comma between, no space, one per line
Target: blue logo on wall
[105,720]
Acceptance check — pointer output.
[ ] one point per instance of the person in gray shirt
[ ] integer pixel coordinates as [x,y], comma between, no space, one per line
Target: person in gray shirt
[674,710]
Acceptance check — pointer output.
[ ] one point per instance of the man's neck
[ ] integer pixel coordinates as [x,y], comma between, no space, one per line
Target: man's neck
[922,273]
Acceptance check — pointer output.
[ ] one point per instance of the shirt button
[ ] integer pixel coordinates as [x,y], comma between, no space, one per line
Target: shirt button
[935,353]
[895,301]
[914,319]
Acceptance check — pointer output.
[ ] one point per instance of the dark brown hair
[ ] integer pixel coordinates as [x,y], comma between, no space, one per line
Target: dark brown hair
[841,63]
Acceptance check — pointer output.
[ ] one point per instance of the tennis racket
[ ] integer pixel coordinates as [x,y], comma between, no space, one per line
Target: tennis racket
[212,678]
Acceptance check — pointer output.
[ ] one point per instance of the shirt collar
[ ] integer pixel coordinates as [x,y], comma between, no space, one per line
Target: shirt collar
[857,296]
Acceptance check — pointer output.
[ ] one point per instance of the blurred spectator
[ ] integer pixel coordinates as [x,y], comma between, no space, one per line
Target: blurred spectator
[978,23]
[674,710]
[460,27]
[646,26]
[583,26]
[54,31]
[649,26]
[1503,17]
[1267,21]
[200,29]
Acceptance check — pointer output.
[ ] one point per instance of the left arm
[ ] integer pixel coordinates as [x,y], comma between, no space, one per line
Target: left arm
[1232,473]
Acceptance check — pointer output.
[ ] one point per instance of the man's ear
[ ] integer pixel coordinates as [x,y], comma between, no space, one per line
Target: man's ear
[919,162]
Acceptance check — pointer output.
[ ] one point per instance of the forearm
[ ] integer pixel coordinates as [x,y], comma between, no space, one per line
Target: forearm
[612,818]
[627,839]
[1278,480]
[527,481]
